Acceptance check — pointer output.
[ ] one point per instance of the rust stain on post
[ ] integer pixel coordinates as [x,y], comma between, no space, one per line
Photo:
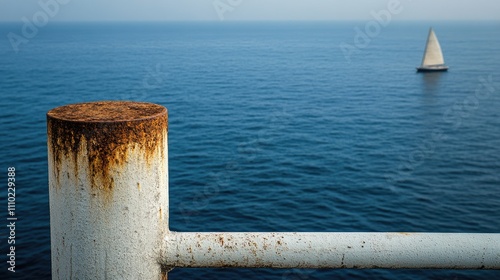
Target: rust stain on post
[104,132]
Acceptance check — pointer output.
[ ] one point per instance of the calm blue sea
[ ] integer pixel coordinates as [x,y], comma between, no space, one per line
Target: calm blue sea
[273,128]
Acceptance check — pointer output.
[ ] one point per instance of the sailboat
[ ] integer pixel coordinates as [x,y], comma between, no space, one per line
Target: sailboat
[433,56]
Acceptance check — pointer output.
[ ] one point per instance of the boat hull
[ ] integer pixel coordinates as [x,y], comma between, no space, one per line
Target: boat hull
[433,68]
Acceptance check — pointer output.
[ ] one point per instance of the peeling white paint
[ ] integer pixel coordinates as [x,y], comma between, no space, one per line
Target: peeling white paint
[333,250]
[103,232]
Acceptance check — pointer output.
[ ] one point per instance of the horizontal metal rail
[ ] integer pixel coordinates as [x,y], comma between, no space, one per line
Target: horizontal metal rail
[333,250]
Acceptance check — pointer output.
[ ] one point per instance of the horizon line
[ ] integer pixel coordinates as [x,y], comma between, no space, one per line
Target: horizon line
[256,20]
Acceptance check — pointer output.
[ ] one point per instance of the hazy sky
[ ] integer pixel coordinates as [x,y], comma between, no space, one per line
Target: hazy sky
[144,10]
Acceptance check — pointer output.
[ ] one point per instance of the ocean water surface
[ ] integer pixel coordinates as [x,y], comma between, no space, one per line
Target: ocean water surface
[272,127]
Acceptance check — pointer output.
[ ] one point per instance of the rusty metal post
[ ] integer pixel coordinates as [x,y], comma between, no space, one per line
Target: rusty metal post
[108,188]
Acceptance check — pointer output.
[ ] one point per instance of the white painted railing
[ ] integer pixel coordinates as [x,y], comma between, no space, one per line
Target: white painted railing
[108,187]
[333,250]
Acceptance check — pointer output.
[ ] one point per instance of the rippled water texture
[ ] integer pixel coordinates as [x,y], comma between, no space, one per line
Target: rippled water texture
[273,129]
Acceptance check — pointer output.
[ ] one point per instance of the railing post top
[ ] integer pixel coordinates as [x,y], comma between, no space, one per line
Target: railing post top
[107,129]
[107,111]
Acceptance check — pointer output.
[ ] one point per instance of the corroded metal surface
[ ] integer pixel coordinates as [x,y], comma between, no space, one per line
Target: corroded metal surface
[108,188]
[333,250]
[104,132]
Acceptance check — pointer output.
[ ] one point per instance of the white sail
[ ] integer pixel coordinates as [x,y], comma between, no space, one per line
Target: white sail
[432,54]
